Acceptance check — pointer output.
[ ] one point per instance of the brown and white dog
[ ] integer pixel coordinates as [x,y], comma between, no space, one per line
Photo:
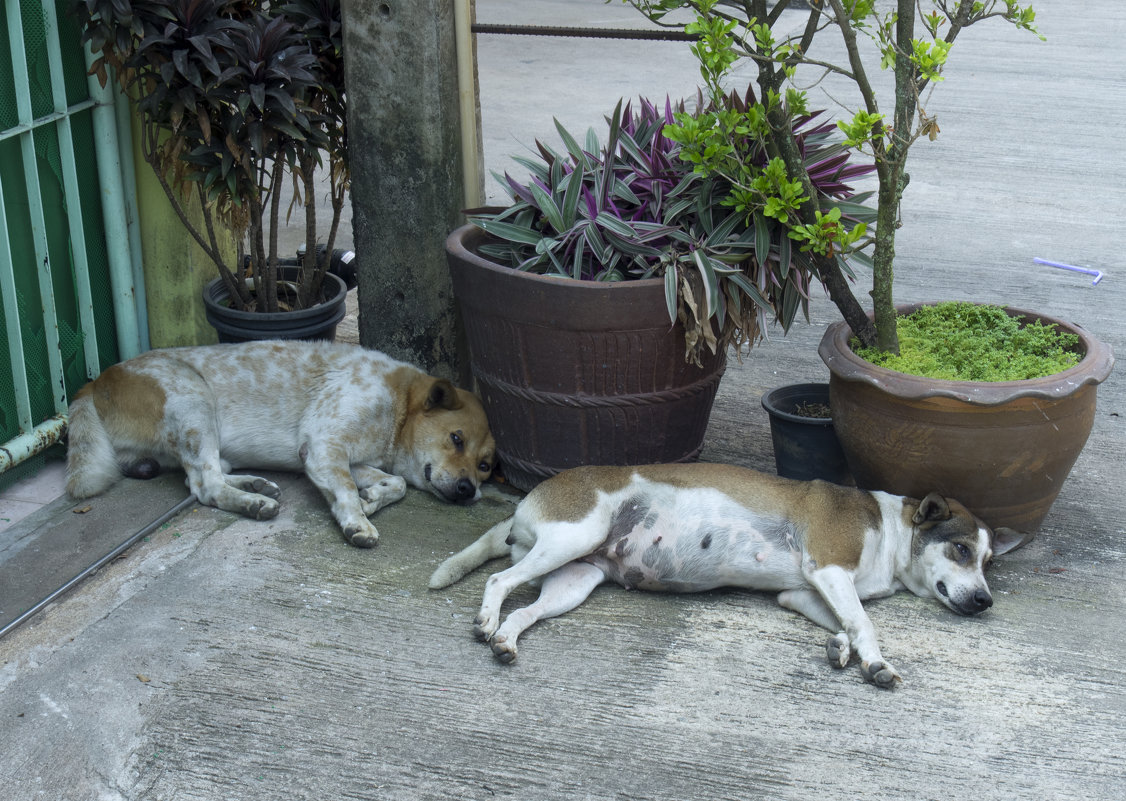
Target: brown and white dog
[359,424]
[694,527]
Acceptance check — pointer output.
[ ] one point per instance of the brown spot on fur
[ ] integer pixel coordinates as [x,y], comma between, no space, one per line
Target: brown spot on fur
[127,402]
[571,498]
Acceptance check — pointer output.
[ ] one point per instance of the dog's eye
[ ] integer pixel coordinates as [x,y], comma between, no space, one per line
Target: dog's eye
[455,438]
[485,467]
[962,551]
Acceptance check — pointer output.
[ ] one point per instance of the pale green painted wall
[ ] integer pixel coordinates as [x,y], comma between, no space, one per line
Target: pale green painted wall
[175,267]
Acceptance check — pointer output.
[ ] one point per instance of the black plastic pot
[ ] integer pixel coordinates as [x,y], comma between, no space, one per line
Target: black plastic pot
[805,447]
[317,322]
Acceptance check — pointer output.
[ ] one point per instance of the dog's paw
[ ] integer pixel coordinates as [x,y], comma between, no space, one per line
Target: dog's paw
[268,510]
[384,492]
[362,536]
[504,650]
[881,674]
[266,487]
[484,629]
[260,507]
[838,650]
[255,485]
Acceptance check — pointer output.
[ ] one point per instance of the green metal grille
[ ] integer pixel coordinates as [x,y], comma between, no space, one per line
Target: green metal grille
[57,319]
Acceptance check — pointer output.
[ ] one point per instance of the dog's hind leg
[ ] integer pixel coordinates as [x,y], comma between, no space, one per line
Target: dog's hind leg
[555,544]
[809,603]
[196,445]
[562,590]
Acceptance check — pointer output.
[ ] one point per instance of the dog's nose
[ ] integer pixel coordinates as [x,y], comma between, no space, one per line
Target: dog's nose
[982,600]
[465,489]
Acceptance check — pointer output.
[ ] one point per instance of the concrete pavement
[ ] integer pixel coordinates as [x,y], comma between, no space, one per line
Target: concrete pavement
[230,659]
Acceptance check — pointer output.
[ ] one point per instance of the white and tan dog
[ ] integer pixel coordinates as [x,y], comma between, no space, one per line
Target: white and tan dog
[695,527]
[359,424]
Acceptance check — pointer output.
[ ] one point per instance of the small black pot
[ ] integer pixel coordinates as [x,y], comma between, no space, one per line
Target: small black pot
[804,447]
[316,322]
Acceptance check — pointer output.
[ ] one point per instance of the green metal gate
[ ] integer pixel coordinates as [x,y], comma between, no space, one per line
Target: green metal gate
[69,249]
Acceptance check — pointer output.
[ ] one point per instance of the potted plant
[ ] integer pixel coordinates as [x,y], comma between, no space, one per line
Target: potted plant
[913,40]
[599,305]
[802,433]
[237,98]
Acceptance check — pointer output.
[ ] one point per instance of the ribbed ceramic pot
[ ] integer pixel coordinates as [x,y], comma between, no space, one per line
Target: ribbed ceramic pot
[578,372]
[1004,449]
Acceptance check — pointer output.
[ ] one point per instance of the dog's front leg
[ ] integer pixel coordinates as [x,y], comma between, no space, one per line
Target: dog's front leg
[377,488]
[562,590]
[839,593]
[327,466]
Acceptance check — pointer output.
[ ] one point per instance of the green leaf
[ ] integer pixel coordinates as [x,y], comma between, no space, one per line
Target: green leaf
[762,239]
[570,143]
[547,206]
[791,300]
[711,281]
[577,259]
[572,194]
[750,290]
[510,232]
[670,291]
[785,250]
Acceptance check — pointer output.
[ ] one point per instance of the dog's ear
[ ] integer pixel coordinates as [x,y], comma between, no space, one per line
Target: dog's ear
[1009,539]
[442,395]
[932,509]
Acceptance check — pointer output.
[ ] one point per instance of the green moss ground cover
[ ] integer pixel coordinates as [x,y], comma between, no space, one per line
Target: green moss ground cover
[958,341]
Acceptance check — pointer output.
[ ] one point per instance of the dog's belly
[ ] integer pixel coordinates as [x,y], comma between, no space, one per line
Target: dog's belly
[683,543]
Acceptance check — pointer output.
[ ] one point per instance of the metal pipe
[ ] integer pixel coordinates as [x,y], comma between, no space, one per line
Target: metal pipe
[124,119]
[586,33]
[123,288]
[33,442]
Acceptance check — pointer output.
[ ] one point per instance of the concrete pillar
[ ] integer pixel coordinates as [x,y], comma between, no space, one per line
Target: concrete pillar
[407,178]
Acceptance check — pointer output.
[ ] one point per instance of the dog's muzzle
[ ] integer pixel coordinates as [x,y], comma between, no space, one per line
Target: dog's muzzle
[976,603]
[463,492]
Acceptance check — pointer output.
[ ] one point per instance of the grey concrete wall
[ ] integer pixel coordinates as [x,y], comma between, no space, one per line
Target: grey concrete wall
[404,142]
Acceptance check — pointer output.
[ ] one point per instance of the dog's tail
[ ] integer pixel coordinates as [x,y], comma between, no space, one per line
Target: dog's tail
[91,463]
[490,545]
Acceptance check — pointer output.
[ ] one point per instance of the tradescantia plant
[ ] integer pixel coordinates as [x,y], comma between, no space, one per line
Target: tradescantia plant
[637,208]
[912,38]
[236,97]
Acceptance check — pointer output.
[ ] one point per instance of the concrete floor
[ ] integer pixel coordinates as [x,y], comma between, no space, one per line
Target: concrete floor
[228,659]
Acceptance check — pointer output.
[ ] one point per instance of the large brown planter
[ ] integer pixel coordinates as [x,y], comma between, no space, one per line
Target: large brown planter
[1004,449]
[578,372]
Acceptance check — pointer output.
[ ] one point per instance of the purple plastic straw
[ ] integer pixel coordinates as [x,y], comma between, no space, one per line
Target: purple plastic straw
[1097,273]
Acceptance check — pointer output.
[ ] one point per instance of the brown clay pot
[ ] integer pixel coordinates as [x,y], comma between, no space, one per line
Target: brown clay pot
[578,372]
[1003,449]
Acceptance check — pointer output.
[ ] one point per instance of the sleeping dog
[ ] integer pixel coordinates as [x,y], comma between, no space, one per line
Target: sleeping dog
[359,424]
[695,527]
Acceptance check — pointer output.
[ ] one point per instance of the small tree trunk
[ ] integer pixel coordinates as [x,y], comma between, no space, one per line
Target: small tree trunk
[883,271]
